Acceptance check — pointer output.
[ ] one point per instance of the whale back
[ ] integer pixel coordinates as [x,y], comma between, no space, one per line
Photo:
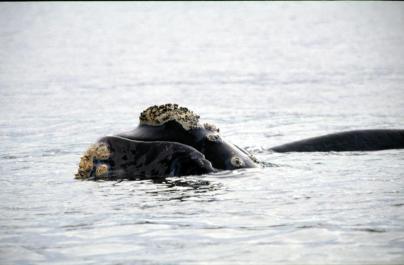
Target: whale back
[357,140]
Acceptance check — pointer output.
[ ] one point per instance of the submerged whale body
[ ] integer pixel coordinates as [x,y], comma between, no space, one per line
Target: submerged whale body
[359,140]
[170,141]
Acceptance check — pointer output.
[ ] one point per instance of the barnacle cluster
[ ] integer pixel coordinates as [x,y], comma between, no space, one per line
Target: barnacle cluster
[157,115]
[211,127]
[88,165]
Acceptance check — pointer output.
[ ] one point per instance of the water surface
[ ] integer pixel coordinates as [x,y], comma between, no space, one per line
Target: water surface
[264,73]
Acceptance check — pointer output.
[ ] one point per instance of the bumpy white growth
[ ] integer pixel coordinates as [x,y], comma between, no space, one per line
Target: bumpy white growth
[98,151]
[211,127]
[158,115]
[101,171]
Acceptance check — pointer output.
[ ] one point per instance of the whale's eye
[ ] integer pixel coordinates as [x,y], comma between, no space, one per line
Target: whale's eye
[236,161]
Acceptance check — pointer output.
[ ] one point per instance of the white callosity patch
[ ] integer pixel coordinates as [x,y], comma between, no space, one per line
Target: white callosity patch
[213,137]
[102,151]
[99,151]
[158,115]
[101,171]
[211,127]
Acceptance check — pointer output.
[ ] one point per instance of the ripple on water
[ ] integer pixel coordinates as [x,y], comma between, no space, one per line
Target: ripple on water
[77,72]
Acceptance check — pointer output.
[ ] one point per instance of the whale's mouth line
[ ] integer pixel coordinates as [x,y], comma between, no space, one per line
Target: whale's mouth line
[150,141]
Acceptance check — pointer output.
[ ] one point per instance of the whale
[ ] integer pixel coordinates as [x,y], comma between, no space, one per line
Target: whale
[348,141]
[130,159]
[170,141]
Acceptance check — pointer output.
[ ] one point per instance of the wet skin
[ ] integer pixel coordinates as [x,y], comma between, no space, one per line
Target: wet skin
[359,140]
[170,141]
[132,159]
[151,152]
[220,153]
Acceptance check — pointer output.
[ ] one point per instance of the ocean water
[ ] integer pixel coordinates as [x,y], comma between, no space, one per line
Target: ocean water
[264,73]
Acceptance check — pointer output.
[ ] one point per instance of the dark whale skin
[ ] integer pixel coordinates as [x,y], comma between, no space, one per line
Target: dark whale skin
[130,159]
[170,141]
[219,152]
[357,140]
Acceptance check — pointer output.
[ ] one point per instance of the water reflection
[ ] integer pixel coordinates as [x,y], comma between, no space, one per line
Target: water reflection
[255,70]
[184,188]
[159,189]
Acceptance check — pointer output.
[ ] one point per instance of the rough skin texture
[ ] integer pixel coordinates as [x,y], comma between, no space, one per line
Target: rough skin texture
[157,115]
[171,137]
[98,151]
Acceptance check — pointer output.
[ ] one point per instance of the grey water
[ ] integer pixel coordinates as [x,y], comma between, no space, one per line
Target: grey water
[264,73]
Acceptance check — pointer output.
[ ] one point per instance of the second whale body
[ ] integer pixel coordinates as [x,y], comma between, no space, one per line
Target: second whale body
[358,140]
